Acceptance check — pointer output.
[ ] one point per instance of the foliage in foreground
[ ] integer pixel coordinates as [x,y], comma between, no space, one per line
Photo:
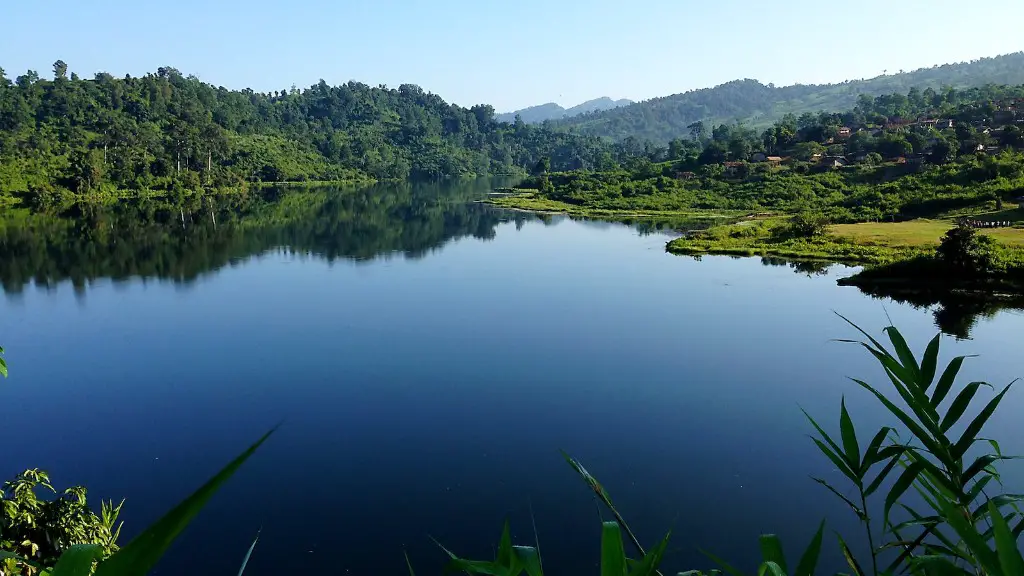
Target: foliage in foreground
[967,528]
[42,529]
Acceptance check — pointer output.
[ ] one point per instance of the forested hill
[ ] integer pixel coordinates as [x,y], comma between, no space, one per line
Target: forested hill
[757,104]
[168,131]
[552,111]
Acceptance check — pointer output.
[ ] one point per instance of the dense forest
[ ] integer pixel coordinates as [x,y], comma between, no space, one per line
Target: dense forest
[166,131]
[892,156]
[751,102]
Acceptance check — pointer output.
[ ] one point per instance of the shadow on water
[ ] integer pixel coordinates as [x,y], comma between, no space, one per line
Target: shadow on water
[955,313]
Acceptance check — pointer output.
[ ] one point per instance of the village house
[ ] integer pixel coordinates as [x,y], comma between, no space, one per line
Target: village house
[686,176]
[732,168]
[774,160]
[834,161]
[844,132]
[758,157]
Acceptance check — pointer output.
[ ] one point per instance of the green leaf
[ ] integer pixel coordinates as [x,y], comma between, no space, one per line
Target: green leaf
[529,558]
[960,404]
[946,380]
[408,563]
[900,486]
[881,476]
[1006,544]
[505,547]
[613,555]
[850,559]
[142,553]
[975,543]
[77,560]
[4,554]
[771,550]
[809,559]
[837,460]
[930,362]
[854,507]
[725,565]
[648,565]
[770,567]
[980,465]
[835,447]
[903,351]
[871,454]
[248,554]
[936,565]
[907,421]
[978,487]
[974,428]
[849,435]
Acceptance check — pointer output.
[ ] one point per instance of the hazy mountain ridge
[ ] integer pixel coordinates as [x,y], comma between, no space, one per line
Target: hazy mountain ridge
[754,103]
[552,111]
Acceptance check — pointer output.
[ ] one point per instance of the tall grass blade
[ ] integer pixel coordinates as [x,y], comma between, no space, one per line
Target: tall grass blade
[930,362]
[529,558]
[871,454]
[771,551]
[850,559]
[974,428]
[613,555]
[505,546]
[837,453]
[809,559]
[836,459]
[1006,544]
[912,471]
[907,421]
[604,497]
[648,565]
[408,563]
[248,554]
[729,569]
[988,559]
[142,553]
[960,404]
[77,560]
[945,383]
[881,476]
[849,435]
[982,464]
[856,509]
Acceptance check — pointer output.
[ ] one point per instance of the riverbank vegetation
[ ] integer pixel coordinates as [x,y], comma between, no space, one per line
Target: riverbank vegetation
[961,521]
[169,133]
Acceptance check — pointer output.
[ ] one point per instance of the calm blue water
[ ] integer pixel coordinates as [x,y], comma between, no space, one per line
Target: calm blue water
[427,394]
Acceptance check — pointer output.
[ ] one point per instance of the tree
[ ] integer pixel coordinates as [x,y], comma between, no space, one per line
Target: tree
[1011,136]
[873,159]
[894,146]
[543,166]
[697,130]
[942,151]
[805,151]
[60,70]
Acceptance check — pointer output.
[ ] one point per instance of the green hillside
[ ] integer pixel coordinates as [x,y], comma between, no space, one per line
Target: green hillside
[756,104]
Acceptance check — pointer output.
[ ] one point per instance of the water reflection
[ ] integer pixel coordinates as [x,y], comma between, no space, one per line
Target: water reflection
[955,313]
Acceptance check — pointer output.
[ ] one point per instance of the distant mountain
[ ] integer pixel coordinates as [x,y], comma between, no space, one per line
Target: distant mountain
[552,111]
[757,104]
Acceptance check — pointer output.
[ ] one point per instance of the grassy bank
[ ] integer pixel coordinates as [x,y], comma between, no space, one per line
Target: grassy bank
[531,201]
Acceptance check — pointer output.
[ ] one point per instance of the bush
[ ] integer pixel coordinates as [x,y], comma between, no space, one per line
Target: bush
[42,529]
[963,249]
[807,225]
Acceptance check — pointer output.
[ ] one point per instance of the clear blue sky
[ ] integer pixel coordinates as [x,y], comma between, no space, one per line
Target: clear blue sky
[508,54]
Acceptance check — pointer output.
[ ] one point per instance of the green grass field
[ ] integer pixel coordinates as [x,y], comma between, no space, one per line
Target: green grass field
[916,233]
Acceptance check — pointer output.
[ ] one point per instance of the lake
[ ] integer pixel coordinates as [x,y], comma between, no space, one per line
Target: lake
[428,358]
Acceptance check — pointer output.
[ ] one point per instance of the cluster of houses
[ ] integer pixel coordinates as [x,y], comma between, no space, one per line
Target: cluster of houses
[1006,113]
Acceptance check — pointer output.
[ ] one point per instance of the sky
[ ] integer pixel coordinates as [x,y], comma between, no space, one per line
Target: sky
[507,54]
